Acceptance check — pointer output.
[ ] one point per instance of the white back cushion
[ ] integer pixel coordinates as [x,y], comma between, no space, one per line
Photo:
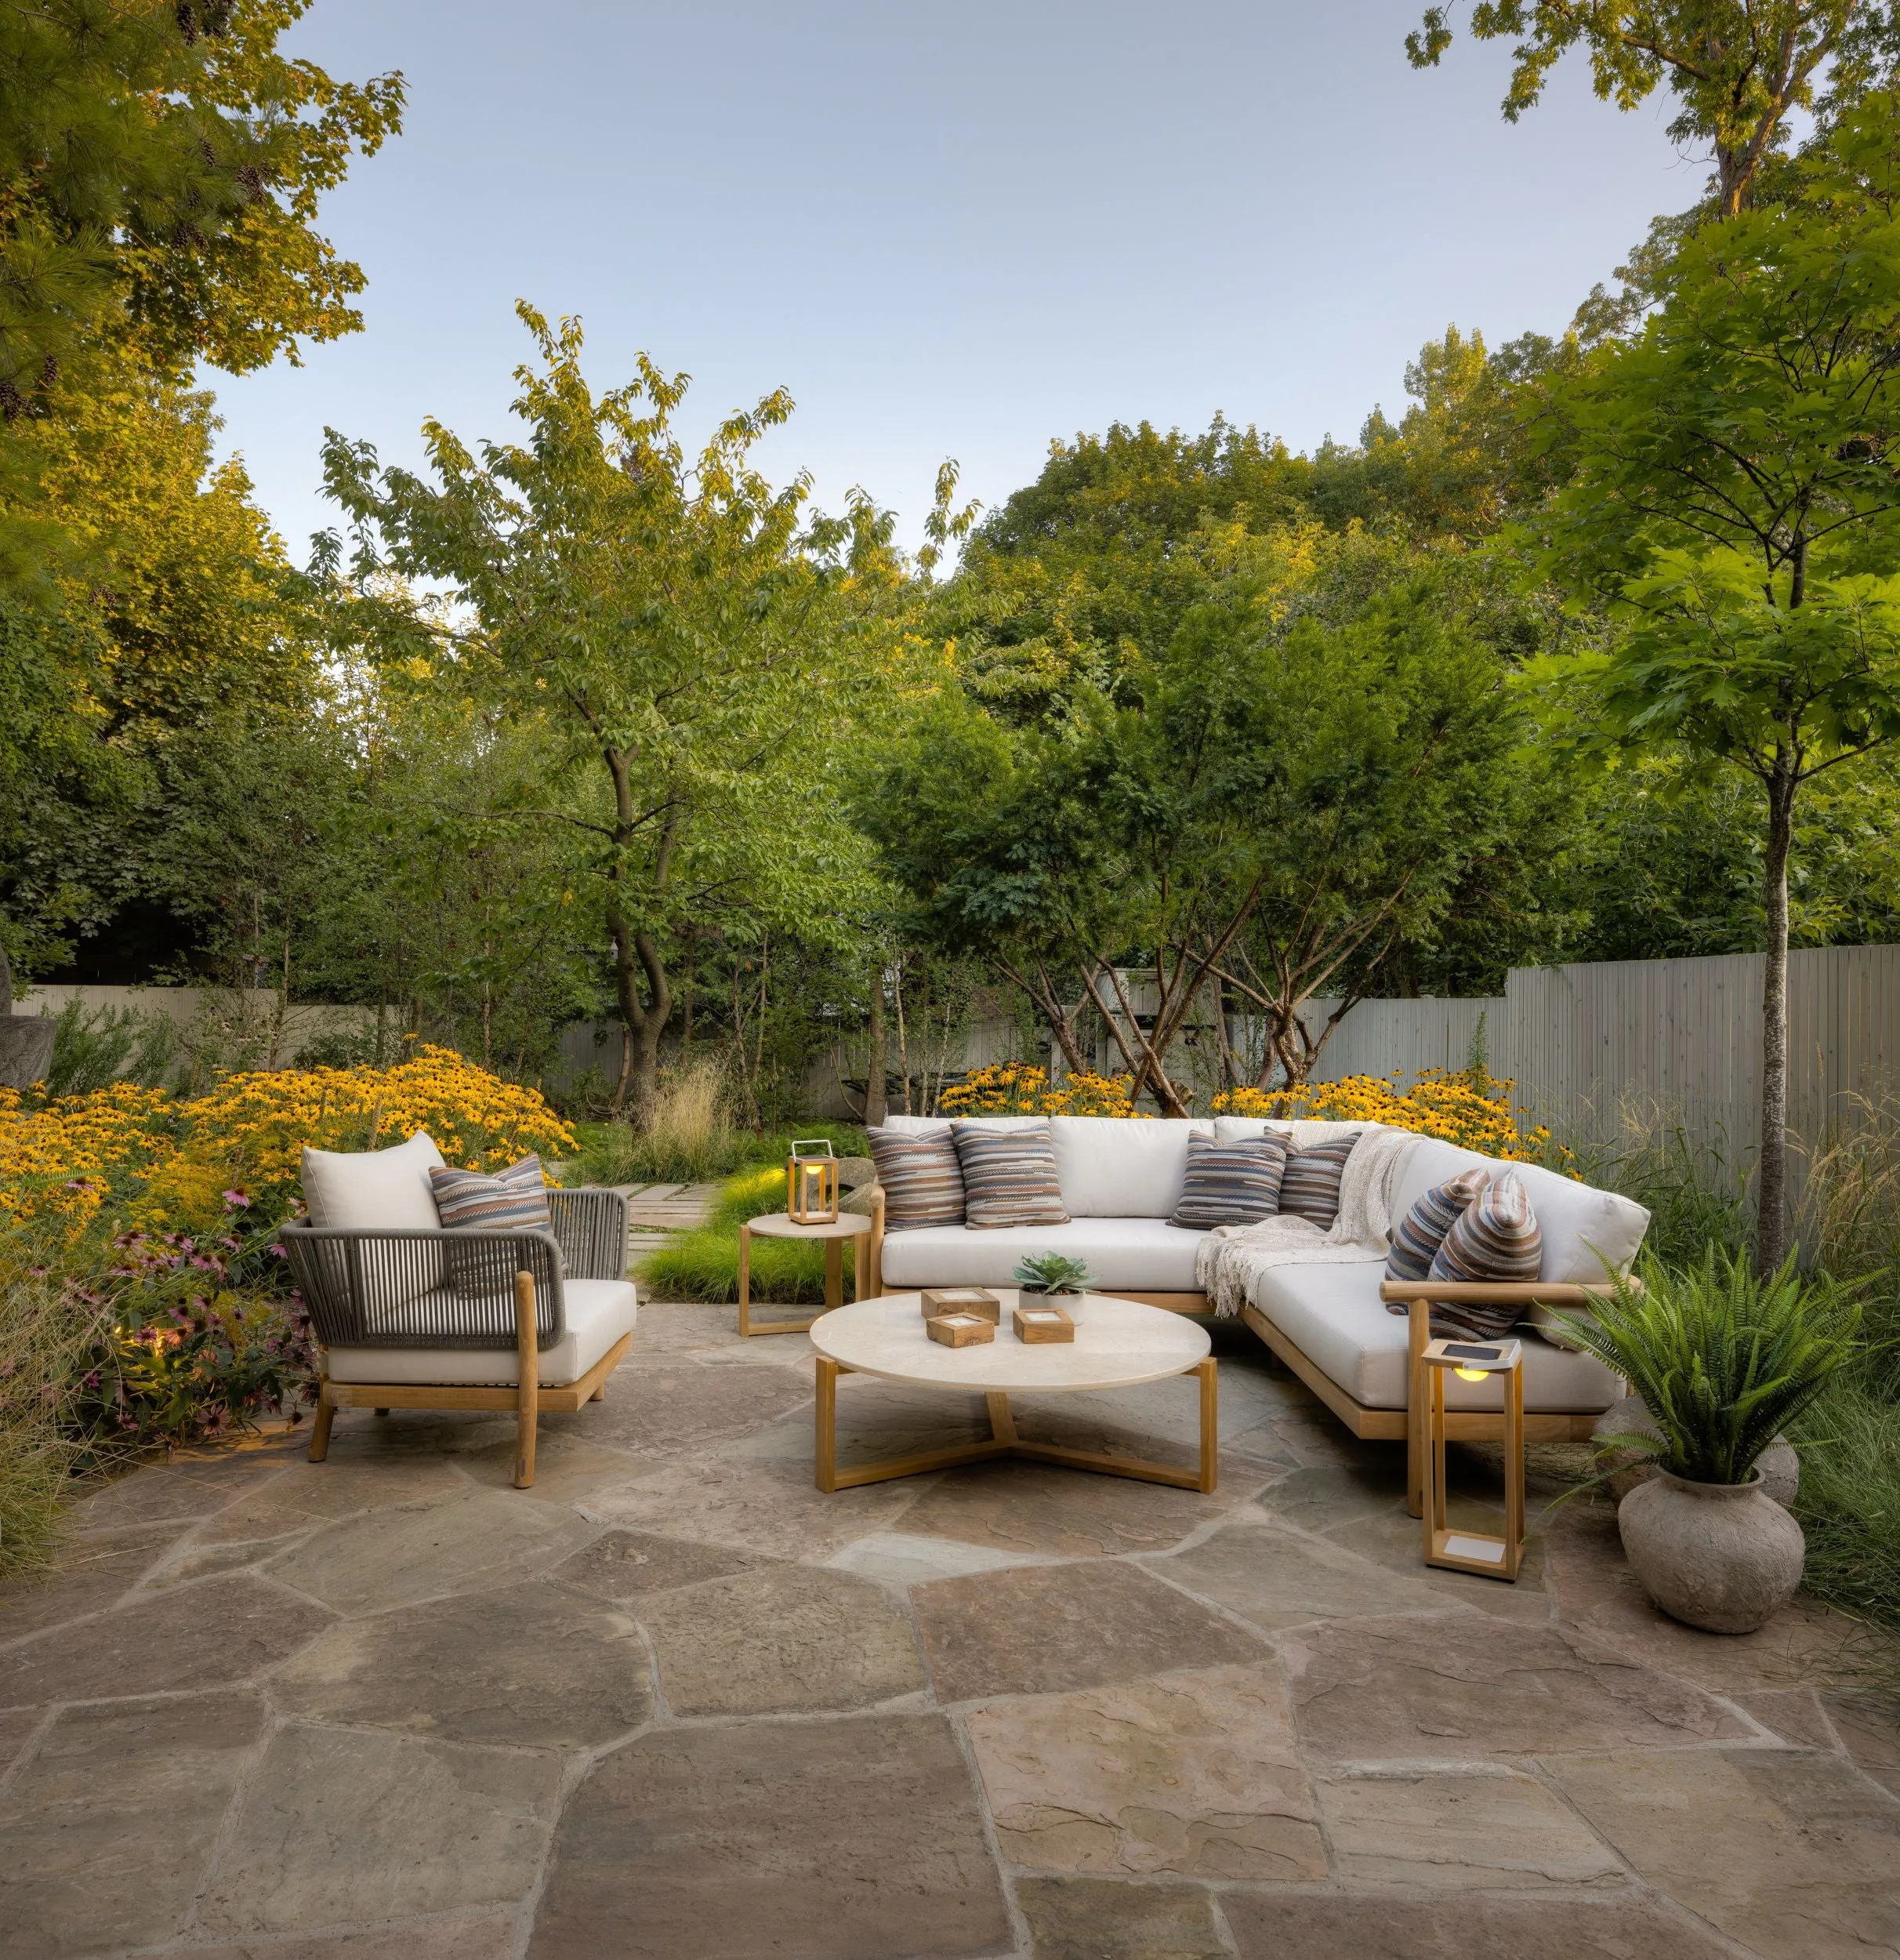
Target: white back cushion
[1306,1131]
[1121,1166]
[922,1126]
[369,1190]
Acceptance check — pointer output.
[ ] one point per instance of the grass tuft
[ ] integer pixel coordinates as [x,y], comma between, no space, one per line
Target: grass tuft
[704,1264]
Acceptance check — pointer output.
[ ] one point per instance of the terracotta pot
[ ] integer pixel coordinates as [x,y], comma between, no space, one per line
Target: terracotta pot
[1780,1468]
[1724,1557]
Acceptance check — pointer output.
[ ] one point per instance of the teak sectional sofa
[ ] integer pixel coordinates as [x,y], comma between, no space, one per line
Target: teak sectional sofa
[1330,1324]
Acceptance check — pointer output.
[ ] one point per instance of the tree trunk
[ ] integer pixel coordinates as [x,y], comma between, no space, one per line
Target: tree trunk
[637,955]
[876,1104]
[1771,1202]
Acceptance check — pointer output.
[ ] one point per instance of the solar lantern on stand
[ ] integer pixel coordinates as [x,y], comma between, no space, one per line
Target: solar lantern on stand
[1474,1550]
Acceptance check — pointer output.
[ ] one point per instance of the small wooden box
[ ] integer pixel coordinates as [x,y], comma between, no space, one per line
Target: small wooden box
[1043,1323]
[960,1330]
[977,1299]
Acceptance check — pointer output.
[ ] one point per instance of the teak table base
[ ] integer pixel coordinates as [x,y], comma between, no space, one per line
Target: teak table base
[1004,1442]
[834,1282]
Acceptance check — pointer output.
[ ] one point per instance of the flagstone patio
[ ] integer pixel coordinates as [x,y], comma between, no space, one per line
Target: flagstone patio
[675,1705]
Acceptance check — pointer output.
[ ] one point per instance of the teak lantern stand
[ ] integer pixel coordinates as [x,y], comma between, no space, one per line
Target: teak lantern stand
[1474,1550]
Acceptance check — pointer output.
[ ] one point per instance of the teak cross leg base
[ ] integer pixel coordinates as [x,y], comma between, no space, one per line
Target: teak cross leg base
[527,1398]
[1004,1442]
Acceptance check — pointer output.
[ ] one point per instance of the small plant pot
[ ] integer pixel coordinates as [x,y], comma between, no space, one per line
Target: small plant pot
[1723,1557]
[1071,1303]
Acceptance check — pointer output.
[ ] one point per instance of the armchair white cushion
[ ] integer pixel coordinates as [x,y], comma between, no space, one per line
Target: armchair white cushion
[599,1311]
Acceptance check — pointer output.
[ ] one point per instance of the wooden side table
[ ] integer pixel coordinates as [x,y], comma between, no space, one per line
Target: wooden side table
[848,1225]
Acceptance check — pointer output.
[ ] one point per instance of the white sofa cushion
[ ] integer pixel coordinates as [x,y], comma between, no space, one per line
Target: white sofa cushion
[599,1311]
[1305,1131]
[1121,1166]
[373,1190]
[1334,1315]
[1578,1221]
[924,1126]
[1133,1255]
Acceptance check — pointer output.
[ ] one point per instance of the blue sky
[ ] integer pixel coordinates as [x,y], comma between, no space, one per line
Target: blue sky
[948,231]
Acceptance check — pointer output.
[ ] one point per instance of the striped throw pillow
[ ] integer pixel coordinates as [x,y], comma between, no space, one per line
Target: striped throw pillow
[1310,1187]
[922,1180]
[1421,1232]
[515,1200]
[1230,1184]
[1495,1238]
[1009,1177]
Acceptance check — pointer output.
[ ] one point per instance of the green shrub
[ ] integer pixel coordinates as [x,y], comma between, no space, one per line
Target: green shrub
[615,1153]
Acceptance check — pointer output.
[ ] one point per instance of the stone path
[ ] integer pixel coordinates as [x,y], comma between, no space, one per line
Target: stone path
[658,1212]
[675,1705]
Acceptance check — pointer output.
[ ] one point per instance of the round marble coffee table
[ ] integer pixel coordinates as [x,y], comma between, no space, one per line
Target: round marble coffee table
[1119,1343]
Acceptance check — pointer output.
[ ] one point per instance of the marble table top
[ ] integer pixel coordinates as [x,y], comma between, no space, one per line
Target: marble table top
[1118,1344]
[775,1225]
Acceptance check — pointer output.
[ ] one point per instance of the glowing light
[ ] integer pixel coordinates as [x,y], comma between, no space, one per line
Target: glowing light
[1472,1374]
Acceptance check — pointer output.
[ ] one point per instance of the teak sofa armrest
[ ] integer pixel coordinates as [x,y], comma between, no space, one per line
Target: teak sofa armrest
[1497,1292]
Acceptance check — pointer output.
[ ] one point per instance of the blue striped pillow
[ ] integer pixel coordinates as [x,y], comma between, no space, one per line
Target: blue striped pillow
[1009,1177]
[515,1200]
[1230,1184]
[1496,1237]
[1421,1232]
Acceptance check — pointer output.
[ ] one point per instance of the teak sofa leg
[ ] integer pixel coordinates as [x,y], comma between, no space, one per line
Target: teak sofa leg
[1416,1428]
[527,1367]
[319,1430]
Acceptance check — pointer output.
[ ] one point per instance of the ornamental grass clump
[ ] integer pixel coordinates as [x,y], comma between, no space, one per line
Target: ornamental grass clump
[1723,1359]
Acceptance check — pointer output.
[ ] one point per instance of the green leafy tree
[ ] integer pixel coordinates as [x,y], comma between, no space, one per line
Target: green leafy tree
[692,645]
[1738,68]
[1738,494]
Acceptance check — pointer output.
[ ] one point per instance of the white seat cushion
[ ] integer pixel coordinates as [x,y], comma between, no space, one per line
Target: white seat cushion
[1120,1167]
[1334,1315]
[1136,1255]
[599,1312]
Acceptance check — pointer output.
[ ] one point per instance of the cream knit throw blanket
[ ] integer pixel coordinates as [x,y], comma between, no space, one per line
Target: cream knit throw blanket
[1231,1257]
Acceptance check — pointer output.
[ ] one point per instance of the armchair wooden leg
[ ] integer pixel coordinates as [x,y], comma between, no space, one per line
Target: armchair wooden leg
[326,1414]
[528,1368]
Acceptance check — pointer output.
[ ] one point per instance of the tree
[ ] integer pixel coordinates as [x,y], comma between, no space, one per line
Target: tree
[1738,494]
[692,654]
[1738,68]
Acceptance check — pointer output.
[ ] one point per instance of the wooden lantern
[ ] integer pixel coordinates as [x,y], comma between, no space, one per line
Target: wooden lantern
[1473,1551]
[811,1182]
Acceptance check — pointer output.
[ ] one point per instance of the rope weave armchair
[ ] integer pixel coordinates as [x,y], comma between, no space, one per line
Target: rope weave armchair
[468,1319]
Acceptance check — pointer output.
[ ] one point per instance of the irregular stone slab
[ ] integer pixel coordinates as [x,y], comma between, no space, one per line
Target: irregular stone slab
[17,1729]
[1388,1926]
[1097,1919]
[532,1665]
[161,1493]
[789,1639]
[394,1558]
[351,1825]
[1461,1684]
[94,1571]
[1460,1831]
[1277,1578]
[1597,1593]
[1795,1715]
[673,1411]
[1870,1737]
[710,1332]
[1395,1540]
[188,1564]
[1791,1852]
[772,1508]
[858,1838]
[903,1558]
[1318,1499]
[311,1494]
[1015,1505]
[1042,1629]
[1193,1773]
[105,1834]
[486,1939]
[223,1632]
[627,1565]
[567,1466]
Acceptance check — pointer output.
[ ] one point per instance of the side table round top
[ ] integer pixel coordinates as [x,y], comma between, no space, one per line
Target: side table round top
[1119,1343]
[775,1225]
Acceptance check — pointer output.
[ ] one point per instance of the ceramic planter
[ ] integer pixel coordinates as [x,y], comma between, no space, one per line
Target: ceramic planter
[1724,1557]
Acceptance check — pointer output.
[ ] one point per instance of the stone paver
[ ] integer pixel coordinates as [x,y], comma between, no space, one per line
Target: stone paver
[1461,1684]
[1396,1926]
[785,1640]
[534,1665]
[1792,1853]
[1194,1773]
[858,1839]
[1041,1629]
[1096,1919]
[675,1701]
[105,1834]
[223,1632]
[343,1826]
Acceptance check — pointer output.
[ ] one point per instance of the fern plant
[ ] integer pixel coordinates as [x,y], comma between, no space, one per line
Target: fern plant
[1723,1359]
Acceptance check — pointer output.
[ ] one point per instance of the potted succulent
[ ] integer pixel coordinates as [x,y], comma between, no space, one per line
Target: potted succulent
[1055,1273]
[1722,1361]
